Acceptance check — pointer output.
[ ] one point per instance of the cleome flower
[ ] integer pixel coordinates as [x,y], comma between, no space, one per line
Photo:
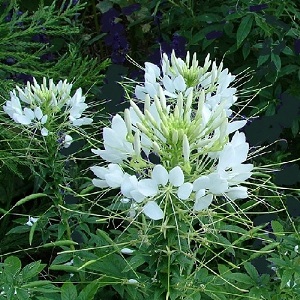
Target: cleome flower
[184,122]
[38,106]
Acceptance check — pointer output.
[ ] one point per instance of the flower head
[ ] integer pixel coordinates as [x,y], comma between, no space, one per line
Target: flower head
[39,105]
[184,120]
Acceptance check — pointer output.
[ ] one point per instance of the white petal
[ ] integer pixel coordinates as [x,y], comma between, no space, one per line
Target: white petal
[129,184]
[153,69]
[99,171]
[99,183]
[67,141]
[147,187]
[153,211]
[45,132]
[118,126]
[200,194]
[160,175]
[151,89]
[168,84]
[137,196]
[237,193]
[201,183]
[111,138]
[179,83]
[227,157]
[21,119]
[217,184]
[235,125]
[96,151]
[184,191]
[44,119]
[140,92]
[115,175]
[203,202]
[176,176]
[29,113]
[38,113]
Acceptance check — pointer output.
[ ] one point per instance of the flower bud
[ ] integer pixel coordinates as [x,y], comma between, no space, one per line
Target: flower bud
[137,143]
[137,110]
[186,149]
[147,103]
[162,98]
[174,136]
[127,120]
[132,281]
[156,147]
[127,251]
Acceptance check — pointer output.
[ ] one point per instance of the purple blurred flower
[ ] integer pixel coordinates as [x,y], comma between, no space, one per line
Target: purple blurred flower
[48,57]
[128,10]
[178,44]
[41,38]
[297,46]
[214,34]
[10,61]
[118,56]
[24,78]
[259,7]
[108,19]
[116,40]
[157,18]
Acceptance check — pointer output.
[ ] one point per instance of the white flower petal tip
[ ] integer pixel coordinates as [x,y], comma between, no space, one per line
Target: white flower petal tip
[203,202]
[147,187]
[237,193]
[152,210]
[127,251]
[31,221]
[176,176]
[160,175]
[184,191]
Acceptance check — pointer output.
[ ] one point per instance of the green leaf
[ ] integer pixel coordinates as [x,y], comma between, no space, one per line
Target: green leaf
[246,50]
[70,269]
[31,270]
[240,277]
[89,291]
[295,127]
[288,70]
[134,262]
[276,60]
[262,59]
[263,25]
[68,291]
[286,276]
[32,230]
[12,265]
[244,29]
[276,226]
[251,271]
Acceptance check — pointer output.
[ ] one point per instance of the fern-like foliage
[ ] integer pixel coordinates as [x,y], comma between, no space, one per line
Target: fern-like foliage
[26,40]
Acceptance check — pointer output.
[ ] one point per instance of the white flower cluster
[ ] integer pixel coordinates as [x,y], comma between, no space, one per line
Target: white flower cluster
[184,121]
[36,106]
